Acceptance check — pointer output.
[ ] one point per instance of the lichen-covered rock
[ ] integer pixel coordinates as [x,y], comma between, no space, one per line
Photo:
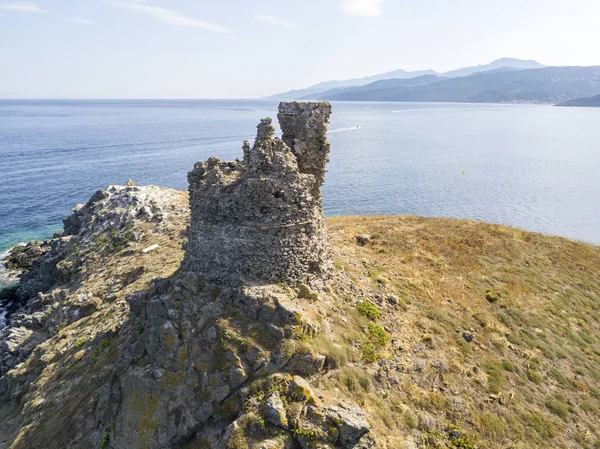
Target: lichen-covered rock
[292,410]
[260,220]
[301,390]
[351,421]
[274,411]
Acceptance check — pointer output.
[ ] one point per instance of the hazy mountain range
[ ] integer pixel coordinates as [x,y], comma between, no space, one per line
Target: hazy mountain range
[583,102]
[504,80]
[507,63]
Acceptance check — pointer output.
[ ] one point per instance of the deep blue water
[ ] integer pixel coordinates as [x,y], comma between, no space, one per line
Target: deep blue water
[535,167]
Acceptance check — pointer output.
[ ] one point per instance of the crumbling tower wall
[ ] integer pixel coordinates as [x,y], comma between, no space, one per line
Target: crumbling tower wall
[260,220]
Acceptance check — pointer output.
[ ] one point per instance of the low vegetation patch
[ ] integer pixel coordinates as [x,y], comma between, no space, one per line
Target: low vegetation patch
[498,333]
[369,310]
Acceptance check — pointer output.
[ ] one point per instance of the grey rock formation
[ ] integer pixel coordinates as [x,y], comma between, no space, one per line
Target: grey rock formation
[274,411]
[22,257]
[260,220]
[37,305]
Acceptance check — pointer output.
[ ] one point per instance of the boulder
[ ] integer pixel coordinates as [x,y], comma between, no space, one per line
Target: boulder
[274,411]
[363,239]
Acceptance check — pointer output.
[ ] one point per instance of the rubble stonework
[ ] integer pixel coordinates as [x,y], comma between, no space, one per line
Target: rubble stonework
[260,220]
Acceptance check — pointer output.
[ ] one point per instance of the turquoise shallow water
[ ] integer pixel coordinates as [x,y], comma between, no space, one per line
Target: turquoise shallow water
[535,167]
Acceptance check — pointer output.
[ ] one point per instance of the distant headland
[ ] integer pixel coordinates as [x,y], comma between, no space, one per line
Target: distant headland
[582,102]
[506,80]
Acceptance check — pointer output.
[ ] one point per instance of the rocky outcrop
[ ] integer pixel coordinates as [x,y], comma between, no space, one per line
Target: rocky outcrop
[107,353]
[208,366]
[287,407]
[22,257]
[260,220]
[41,302]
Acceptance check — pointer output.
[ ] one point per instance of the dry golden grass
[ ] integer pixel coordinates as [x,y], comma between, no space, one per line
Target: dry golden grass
[530,378]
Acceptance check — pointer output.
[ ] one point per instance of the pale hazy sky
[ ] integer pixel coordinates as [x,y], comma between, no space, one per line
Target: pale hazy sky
[246,48]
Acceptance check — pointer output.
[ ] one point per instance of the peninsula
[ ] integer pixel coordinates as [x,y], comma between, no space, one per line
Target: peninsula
[582,102]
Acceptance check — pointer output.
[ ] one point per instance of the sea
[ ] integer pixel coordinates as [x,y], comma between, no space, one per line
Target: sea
[536,167]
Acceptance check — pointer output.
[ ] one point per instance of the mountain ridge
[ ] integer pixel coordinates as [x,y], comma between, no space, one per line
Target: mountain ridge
[403,74]
[545,85]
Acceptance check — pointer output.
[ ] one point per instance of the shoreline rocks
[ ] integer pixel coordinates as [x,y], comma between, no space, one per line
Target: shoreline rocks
[20,258]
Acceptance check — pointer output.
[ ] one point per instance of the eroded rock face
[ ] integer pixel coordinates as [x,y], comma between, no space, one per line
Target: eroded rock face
[44,299]
[260,220]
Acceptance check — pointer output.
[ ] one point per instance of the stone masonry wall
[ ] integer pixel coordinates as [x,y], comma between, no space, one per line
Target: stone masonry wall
[260,220]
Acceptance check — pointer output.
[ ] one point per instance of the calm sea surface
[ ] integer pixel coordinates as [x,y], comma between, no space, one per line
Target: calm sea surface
[535,167]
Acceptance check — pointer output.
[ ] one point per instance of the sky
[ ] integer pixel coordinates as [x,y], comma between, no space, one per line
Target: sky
[254,48]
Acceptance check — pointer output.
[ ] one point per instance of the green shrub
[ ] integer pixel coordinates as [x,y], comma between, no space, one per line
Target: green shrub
[494,426]
[534,377]
[105,441]
[458,441]
[368,309]
[544,427]
[380,336]
[508,366]
[557,407]
[494,372]
[369,353]
[355,379]
[491,295]
[119,239]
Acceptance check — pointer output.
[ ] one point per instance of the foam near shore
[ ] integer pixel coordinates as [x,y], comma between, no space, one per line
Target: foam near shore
[7,277]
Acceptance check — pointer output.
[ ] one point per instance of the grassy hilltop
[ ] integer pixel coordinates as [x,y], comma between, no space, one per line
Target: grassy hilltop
[448,333]
[530,377]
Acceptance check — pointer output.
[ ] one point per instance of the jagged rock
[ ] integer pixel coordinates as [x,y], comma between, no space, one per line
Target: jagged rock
[307,364]
[393,299]
[22,257]
[260,220]
[468,336]
[410,443]
[305,292]
[458,404]
[293,405]
[287,310]
[274,411]
[352,423]
[366,442]
[273,444]
[301,390]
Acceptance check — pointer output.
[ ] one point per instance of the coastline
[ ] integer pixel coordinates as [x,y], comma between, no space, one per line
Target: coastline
[7,277]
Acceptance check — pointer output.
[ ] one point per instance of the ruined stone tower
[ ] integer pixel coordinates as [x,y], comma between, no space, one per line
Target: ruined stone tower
[260,220]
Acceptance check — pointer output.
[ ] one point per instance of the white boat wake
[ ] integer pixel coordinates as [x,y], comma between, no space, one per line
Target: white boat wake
[341,130]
